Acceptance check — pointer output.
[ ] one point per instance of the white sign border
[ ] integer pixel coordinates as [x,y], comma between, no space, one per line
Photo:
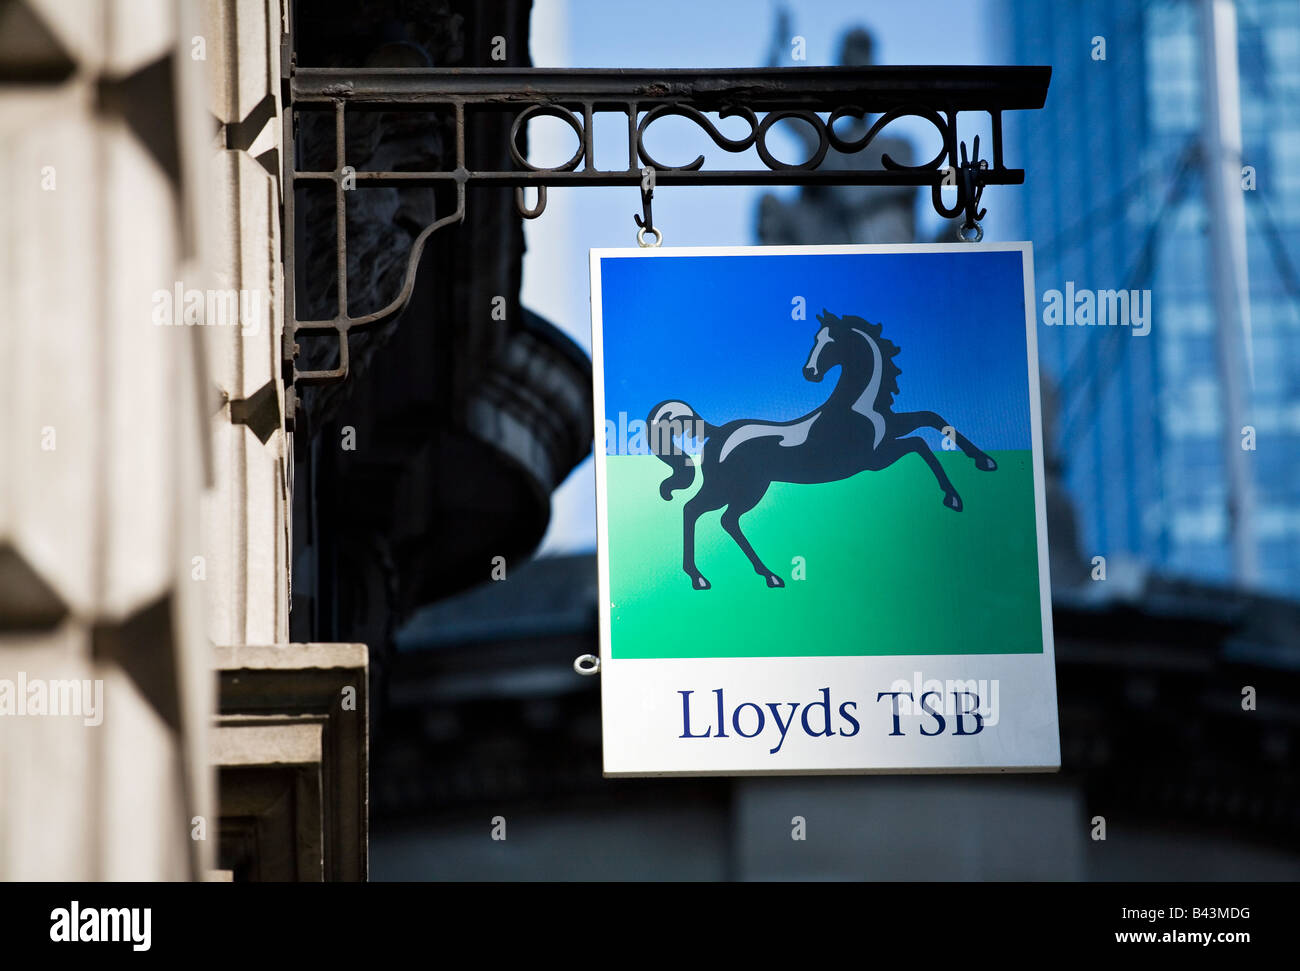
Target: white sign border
[1043,761]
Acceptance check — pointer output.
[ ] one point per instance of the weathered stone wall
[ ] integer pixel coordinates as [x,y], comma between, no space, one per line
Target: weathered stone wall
[104,411]
[245,516]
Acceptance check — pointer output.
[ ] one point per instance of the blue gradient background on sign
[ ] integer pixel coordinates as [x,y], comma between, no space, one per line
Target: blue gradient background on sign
[716,332]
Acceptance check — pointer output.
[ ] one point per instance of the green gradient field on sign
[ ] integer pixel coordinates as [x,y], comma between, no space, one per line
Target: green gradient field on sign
[889,569]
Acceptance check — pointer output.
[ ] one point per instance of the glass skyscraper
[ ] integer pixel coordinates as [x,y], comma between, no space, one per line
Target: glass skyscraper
[1114,199]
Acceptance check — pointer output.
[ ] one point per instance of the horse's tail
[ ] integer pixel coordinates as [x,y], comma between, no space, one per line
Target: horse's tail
[668,421]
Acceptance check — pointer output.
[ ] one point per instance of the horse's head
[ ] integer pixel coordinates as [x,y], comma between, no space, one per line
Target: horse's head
[858,347]
[823,356]
[837,343]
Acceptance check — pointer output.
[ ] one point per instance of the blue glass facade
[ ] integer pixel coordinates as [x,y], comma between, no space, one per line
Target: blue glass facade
[1114,199]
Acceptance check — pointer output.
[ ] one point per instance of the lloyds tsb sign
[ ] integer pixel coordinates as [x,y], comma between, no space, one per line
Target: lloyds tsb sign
[821,510]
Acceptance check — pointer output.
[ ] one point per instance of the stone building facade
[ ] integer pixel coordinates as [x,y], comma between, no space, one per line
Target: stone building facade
[161,717]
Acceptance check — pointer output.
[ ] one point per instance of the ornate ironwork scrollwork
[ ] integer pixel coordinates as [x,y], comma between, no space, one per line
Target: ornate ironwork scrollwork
[935,95]
[701,119]
[946,133]
[547,111]
[808,118]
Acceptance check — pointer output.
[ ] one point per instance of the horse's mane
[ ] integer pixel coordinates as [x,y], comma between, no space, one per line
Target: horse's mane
[888,351]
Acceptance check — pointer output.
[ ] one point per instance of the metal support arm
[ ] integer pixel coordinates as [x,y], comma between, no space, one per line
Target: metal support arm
[820,97]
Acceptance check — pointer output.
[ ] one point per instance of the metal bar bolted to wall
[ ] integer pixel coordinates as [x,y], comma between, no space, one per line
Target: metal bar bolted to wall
[820,97]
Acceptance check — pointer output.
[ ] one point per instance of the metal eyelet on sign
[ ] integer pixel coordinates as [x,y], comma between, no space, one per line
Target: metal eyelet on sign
[587,664]
[640,237]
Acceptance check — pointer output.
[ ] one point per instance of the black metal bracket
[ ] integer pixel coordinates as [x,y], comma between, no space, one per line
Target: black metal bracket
[819,97]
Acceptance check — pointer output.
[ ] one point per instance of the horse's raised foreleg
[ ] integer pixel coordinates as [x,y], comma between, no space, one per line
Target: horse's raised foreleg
[909,421]
[891,452]
[731,523]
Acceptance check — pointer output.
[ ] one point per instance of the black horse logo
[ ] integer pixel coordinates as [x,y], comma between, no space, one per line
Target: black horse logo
[853,431]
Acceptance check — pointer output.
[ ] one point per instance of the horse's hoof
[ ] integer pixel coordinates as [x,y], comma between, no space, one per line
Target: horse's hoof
[700,583]
[986,464]
[952,501]
[775,581]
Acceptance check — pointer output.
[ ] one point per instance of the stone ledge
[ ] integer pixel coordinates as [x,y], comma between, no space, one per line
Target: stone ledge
[265,657]
[242,741]
[266,694]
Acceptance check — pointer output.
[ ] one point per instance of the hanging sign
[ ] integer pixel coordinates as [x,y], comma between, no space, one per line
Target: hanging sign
[821,511]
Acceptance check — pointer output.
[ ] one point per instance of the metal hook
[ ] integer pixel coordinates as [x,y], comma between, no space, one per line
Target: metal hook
[523,209]
[972,189]
[647,196]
